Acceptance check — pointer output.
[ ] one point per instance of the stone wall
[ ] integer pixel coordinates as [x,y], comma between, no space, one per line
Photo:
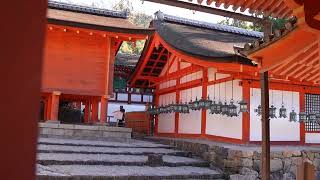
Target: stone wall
[83,131]
[243,162]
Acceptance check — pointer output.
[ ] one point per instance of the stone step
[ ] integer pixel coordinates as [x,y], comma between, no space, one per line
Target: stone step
[84,172]
[108,150]
[95,143]
[106,159]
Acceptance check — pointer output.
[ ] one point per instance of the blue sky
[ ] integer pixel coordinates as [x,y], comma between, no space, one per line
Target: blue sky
[150,8]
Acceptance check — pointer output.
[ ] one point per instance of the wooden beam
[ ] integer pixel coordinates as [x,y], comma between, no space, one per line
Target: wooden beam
[265,155]
[209,10]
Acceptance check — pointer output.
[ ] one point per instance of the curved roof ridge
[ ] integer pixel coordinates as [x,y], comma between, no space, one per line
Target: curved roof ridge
[87,10]
[170,18]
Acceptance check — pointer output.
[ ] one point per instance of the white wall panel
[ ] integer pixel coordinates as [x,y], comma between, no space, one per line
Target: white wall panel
[122,97]
[221,76]
[190,123]
[167,84]
[174,67]
[191,77]
[136,97]
[280,128]
[312,137]
[224,126]
[211,74]
[166,122]
[184,65]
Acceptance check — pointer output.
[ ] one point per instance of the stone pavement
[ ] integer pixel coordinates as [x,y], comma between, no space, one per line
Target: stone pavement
[76,159]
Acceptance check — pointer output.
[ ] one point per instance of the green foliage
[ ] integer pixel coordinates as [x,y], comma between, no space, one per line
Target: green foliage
[137,18]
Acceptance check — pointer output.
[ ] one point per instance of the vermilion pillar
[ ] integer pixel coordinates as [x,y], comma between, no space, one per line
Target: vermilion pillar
[95,109]
[87,110]
[54,106]
[103,109]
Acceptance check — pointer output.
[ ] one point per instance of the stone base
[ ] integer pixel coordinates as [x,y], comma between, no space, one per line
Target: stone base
[83,131]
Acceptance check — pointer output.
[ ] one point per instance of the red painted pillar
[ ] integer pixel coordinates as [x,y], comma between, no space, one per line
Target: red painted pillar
[156,118]
[204,96]
[95,109]
[103,109]
[246,116]
[21,67]
[87,111]
[54,106]
[302,125]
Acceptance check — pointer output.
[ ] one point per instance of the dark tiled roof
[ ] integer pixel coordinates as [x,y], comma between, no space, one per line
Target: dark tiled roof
[125,59]
[87,10]
[161,16]
[210,42]
[277,34]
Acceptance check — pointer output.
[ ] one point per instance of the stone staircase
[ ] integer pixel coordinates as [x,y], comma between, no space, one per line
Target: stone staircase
[74,159]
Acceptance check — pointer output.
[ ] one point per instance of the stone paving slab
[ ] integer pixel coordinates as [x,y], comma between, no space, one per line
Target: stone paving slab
[118,172]
[95,143]
[106,159]
[104,150]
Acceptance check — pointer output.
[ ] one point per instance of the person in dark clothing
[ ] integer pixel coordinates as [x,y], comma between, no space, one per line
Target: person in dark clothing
[121,122]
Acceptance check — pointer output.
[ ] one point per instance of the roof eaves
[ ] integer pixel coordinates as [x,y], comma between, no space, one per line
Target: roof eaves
[169,18]
[87,10]
[258,44]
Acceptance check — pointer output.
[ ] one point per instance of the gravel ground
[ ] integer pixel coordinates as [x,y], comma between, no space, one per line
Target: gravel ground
[104,149]
[86,170]
[131,143]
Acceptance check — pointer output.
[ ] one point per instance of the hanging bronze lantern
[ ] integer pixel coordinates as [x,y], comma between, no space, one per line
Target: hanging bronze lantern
[172,105]
[185,108]
[179,107]
[176,107]
[196,104]
[232,109]
[208,103]
[161,110]
[312,117]
[190,104]
[272,112]
[282,112]
[258,110]
[219,108]
[302,117]
[225,109]
[243,105]
[202,103]
[293,116]
[213,107]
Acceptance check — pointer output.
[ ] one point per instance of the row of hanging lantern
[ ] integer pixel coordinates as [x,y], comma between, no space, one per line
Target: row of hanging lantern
[293,116]
[203,103]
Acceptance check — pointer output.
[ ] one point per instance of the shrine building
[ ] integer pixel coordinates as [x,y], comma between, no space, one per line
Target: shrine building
[81,44]
[206,81]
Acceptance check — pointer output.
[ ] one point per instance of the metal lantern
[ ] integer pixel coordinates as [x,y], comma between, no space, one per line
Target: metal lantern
[243,106]
[185,108]
[302,117]
[172,105]
[282,112]
[293,116]
[312,117]
[161,110]
[202,103]
[196,104]
[272,112]
[176,107]
[232,109]
[208,103]
[225,109]
[213,107]
[179,108]
[219,108]
[258,110]
[190,104]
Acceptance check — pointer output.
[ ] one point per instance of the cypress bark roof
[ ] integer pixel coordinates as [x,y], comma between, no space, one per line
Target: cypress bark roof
[204,40]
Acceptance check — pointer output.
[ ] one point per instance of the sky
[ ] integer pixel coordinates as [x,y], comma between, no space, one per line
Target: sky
[150,8]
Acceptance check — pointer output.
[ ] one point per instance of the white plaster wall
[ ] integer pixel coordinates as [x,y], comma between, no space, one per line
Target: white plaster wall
[174,67]
[280,128]
[135,97]
[220,125]
[312,137]
[166,122]
[167,84]
[190,123]
[147,98]
[191,77]
[221,76]
[211,74]
[122,97]
[184,65]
